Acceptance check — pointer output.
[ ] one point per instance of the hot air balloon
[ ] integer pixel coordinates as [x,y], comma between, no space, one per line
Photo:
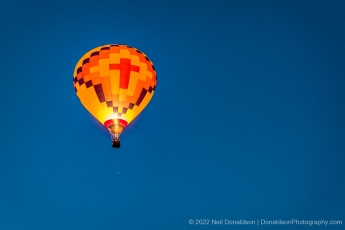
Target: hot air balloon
[114,83]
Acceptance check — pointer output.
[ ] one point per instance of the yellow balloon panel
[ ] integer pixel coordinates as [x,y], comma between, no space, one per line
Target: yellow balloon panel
[114,82]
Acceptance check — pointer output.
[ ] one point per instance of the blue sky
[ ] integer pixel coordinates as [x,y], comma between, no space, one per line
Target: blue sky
[247,121]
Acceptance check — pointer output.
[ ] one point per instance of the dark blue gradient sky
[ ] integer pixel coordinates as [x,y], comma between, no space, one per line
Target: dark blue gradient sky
[247,122]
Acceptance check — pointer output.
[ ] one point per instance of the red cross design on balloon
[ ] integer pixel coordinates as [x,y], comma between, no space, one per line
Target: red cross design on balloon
[125,68]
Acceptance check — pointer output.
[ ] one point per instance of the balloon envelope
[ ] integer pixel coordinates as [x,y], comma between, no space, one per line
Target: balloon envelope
[114,83]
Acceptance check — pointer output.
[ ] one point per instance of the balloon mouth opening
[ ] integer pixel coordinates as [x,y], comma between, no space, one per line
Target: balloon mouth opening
[113,122]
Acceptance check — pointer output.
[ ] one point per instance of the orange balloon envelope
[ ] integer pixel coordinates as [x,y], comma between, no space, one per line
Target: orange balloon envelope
[114,83]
